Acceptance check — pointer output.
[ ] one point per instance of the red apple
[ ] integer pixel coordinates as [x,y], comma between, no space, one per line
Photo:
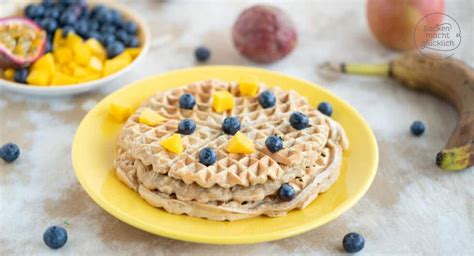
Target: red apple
[393,22]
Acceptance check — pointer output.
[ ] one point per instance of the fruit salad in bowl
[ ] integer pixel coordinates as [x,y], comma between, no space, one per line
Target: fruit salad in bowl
[68,47]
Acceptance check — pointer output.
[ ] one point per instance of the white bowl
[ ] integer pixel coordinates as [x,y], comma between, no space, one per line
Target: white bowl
[143,35]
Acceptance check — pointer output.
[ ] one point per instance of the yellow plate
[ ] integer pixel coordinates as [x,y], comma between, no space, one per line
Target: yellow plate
[93,152]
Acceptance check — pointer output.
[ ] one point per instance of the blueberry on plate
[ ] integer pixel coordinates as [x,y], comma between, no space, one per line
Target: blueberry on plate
[298,120]
[207,156]
[325,108]
[353,242]
[9,152]
[274,143]
[186,126]
[286,192]
[130,27]
[115,49]
[202,53]
[55,237]
[21,75]
[49,24]
[417,128]
[267,99]
[187,101]
[231,125]
[34,11]
[132,41]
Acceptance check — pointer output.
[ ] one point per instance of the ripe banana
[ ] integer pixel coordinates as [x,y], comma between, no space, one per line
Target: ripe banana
[449,79]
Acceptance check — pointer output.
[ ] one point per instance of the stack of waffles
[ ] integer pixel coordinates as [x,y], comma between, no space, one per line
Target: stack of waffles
[236,186]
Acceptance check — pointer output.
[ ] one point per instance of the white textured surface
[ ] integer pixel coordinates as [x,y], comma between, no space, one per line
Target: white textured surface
[412,207]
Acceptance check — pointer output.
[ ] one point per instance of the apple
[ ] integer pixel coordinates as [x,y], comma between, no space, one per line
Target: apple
[393,22]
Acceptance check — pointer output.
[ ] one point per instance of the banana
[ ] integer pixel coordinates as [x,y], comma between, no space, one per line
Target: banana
[449,79]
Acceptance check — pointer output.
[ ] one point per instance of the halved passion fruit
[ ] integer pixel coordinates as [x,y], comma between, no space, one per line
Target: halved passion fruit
[21,42]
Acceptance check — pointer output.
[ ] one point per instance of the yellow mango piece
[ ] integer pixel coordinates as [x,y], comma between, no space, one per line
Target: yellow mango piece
[46,63]
[82,54]
[66,69]
[89,77]
[133,51]
[9,74]
[62,54]
[72,40]
[124,56]
[58,39]
[173,144]
[62,79]
[113,65]
[95,64]
[150,117]
[248,86]
[39,77]
[222,101]
[96,48]
[80,72]
[240,144]
[120,111]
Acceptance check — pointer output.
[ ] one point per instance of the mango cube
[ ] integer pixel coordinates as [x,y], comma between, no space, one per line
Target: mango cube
[133,51]
[9,74]
[120,111]
[96,48]
[39,77]
[62,54]
[125,57]
[248,86]
[173,144]
[45,63]
[58,39]
[95,64]
[72,40]
[79,72]
[222,101]
[62,79]
[89,77]
[82,54]
[240,144]
[113,65]
[150,117]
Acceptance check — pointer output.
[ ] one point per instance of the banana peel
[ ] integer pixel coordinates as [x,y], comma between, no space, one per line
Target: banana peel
[449,79]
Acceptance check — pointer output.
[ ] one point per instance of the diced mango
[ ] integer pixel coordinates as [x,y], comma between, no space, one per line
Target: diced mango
[134,51]
[82,54]
[66,69]
[120,111]
[39,77]
[62,79]
[222,101]
[124,56]
[95,64]
[113,65]
[9,74]
[240,144]
[62,54]
[58,39]
[248,86]
[173,144]
[79,72]
[96,48]
[150,117]
[72,40]
[89,77]
[46,63]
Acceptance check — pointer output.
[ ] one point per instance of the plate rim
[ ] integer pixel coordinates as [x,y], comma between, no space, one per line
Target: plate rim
[248,239]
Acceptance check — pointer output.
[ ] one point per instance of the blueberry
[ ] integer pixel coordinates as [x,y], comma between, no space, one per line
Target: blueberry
[325,108]
[132,42]
[298,120]
[187,101]
[186,126]
[274,143]
[47,3]
[115,49]
[130,27]
[286,192]
[82,28]
[9,152]
[55,237]
[353,242]
[207,156]
[49,47]
[66,30]
[107,29]
[108,39]
[116,17]
[52,12]
[202,54]
[49,24]
[267,99]
[122,35]
[231,125]
[21,75]
[34,11]
[94,34]
[86,14]
[93,25]
[67,18]
[417,128]
[104,16]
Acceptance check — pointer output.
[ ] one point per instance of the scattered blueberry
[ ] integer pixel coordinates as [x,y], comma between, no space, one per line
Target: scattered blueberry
[49,24]
[353,242]
[122,35]
[207,156]
[299,120]
[34,11]
[325,108]
[130,27]
[417,128]
[21,75]
[67,18]
[274,143]
[231,125]
[55,237]
[267,99]
[186,126]
[132,42]
[202,53]
[286,192]
[66,30]
[9,152]
[187,101]
[115,49]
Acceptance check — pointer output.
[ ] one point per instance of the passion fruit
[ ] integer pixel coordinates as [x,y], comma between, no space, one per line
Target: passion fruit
[22,42]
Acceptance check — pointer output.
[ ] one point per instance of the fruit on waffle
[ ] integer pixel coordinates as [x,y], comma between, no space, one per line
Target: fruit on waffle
[228,151]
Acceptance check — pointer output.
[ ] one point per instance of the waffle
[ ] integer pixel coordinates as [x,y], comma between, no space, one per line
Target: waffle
[238,185]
